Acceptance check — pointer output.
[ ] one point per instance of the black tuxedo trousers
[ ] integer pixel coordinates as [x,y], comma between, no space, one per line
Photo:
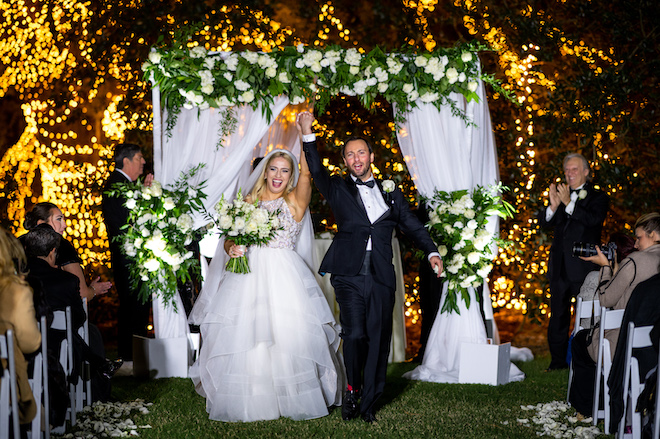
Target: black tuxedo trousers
[366,319]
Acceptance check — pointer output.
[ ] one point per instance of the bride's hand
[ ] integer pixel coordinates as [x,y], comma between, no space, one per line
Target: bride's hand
[236,251]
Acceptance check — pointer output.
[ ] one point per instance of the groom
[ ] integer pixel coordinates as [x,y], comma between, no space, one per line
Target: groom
[360,260]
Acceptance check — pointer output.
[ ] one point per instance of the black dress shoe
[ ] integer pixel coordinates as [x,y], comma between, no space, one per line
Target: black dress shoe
[110,368]
[350,409]
[556,367]
[369,417]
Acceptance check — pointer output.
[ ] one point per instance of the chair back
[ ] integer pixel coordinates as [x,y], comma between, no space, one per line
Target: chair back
[656,418]
[632,382]
[583,310]
[39,385]
[609,319]
[8,392]
[62,322]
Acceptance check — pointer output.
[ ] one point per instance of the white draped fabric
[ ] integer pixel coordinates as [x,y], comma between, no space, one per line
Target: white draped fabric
[444,153]
[193,140]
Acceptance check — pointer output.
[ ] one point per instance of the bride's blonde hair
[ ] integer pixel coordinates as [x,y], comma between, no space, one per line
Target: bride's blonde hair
[260,185]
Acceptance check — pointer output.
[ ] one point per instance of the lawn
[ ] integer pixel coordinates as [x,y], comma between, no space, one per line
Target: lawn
[408,409]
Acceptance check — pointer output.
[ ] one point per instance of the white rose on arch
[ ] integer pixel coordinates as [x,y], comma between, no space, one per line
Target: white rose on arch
[466,57]
[452,75]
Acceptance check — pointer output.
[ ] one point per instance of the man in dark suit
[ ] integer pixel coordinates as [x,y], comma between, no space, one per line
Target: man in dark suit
[61,290]
[360,260]
[133,316]
[576,211]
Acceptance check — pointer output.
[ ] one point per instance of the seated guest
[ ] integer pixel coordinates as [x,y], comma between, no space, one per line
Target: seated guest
[67,256]
[17,314]
[624,246]
[617,282]
[61,289]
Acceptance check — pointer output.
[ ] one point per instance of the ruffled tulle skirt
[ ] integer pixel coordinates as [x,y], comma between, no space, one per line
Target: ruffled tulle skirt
[269,343]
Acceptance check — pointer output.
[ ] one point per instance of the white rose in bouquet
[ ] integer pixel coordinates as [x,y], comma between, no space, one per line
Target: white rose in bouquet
[466,56]
[252,226]
[151,265]
[473,258]
[155,57]
[484,271]
[168,204]
[156,189]
[131,203]
[184,222]
[129,249]
[225,221]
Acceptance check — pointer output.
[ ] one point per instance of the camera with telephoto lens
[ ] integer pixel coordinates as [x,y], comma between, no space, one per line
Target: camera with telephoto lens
[586,249]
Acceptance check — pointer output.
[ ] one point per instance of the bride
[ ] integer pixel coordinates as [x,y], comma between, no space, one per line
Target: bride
[269,339]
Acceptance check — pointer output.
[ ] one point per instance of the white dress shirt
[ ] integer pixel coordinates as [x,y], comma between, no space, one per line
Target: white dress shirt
[373,202]
[570,207]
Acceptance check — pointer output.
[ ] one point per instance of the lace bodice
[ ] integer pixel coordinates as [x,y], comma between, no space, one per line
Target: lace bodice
[287,237]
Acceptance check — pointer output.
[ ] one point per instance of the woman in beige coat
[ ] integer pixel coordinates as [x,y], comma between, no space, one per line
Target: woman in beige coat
[617,282]
[17,314]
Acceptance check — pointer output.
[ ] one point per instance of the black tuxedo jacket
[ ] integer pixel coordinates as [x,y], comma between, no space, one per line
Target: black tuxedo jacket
[584,225]
[60,288]
[349,246]
[115,214]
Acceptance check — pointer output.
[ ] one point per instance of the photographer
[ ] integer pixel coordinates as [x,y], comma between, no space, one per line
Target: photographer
[617,281]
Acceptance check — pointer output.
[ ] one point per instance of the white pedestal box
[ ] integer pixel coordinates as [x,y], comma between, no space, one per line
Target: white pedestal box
[484,363]
[161,357]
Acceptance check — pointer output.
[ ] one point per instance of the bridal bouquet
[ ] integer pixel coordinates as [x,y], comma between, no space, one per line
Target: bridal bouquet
[245,224]
[158,233]
[458,220]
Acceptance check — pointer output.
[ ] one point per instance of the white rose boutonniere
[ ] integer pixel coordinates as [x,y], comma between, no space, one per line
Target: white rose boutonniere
[388,186]
[582,194]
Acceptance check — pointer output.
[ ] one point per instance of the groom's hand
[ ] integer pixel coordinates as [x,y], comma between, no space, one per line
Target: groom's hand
[436,264]
[304,122]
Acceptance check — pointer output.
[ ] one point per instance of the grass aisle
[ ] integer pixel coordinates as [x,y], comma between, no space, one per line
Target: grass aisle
[410,409]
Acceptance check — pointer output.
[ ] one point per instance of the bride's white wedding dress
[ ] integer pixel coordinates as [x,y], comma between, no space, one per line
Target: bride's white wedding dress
[269,339]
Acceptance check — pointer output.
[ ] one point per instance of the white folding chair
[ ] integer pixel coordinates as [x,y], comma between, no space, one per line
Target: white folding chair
[656,419]
[609,319]
[62,322]
[8,392]
[584,309]
[632,382]
[84,384]
[39,385]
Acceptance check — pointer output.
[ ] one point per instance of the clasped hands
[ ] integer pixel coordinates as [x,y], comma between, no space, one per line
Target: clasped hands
[559,193]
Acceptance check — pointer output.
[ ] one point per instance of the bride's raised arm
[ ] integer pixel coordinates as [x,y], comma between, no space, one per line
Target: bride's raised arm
[303,191]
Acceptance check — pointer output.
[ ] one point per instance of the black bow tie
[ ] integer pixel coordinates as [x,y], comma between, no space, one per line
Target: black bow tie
[369,183]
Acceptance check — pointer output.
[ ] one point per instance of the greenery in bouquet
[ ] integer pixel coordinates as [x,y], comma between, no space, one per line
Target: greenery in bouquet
[457,222]
[246,224]
[159,233]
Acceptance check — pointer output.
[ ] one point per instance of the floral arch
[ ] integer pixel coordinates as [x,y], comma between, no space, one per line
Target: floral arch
[224,109]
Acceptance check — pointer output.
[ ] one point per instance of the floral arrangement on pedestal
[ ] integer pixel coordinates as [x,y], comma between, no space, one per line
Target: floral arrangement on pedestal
[457,222]
[246,224]
[159,233]
[189,76]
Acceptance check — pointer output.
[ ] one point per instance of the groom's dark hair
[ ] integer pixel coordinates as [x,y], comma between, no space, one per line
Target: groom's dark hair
[125,151]
[350,139]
